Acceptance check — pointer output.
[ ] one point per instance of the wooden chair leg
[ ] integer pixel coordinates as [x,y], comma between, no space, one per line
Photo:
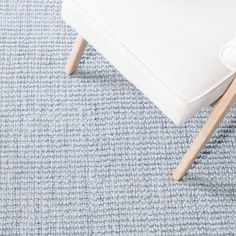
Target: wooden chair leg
[217,115]
[75,55]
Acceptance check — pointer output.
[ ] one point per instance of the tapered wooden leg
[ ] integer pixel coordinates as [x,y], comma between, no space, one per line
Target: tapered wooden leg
[75,55]
[218,113]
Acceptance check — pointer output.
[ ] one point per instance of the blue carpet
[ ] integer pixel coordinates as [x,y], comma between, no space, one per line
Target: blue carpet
[89,154]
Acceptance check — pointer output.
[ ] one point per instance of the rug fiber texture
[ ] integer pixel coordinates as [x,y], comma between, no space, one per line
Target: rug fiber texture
[90,154]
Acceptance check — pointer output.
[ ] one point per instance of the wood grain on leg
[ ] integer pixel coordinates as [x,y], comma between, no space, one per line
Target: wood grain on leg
[75,55]
[218,113]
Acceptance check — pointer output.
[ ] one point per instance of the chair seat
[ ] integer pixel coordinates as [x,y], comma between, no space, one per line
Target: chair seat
[169,49]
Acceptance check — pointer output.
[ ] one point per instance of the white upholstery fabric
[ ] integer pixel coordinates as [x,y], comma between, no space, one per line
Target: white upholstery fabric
[228,54]
[169,49]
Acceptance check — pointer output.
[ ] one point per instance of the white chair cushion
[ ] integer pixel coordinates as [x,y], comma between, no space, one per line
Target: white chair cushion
[169,49]
[228,54]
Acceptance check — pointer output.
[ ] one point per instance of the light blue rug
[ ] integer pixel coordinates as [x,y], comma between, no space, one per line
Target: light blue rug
[89,154]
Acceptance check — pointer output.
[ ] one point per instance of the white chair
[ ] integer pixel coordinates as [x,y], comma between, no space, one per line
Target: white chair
[179,53]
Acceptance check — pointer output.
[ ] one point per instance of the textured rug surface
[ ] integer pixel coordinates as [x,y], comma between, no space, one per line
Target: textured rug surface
[89,154]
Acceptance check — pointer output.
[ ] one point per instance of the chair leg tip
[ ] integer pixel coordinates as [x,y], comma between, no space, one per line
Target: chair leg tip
[69,72]
[175,177]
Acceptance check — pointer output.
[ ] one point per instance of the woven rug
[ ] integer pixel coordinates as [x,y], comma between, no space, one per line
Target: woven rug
[89,154]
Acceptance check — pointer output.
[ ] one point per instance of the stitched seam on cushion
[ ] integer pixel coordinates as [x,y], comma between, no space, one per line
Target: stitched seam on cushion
[211,89]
